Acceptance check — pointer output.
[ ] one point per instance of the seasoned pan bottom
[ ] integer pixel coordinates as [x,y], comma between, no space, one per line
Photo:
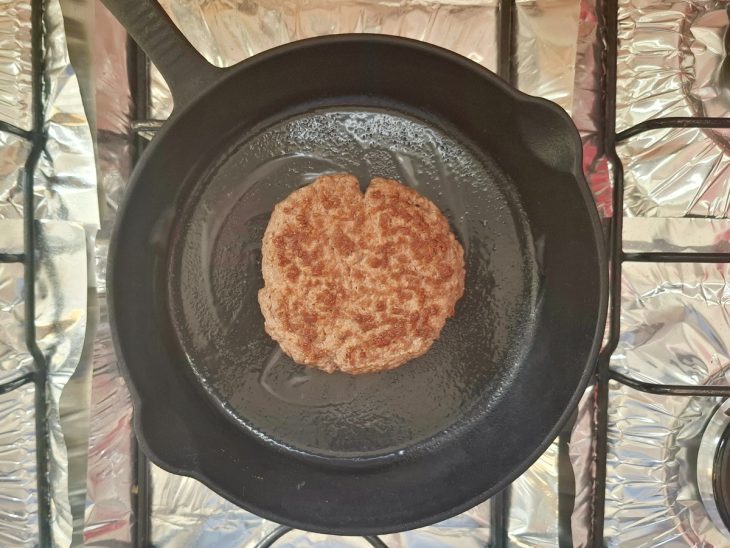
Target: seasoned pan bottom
[215,274]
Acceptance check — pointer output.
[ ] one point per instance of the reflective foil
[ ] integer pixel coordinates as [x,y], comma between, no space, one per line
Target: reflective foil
[547,32]
[61,313]
[110,482]
[533,514]
[65,182]
[228,31]
[675,330]
[18,496]
[14,357]
[669,64]
[469,530]
[65,185]
[651,489]
[677,235]
[582,452]
[186,513]
[65,191]
[160,96]
[588,108]
[13,153]
[675,173]
[674,324]
[15,63]
[61,316]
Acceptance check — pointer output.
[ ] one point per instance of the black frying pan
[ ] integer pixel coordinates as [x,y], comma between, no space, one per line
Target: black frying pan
[215,398]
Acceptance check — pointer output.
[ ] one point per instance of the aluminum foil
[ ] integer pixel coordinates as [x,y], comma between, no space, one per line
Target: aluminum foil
[65,185]
[228,31]
[61,329]
[588,107]
[61,312]
[110,482]
[160,97]
[581,453]
[109,516]
[674,325]
[66,200]
[675,173]
[533,514]
[185,513]
[674,330]
[15,63]
[14,358]
[651,490]
[546,40]
[18,497]
[66,173]
[678,235]
[13,153]
[672,54]
[469,530]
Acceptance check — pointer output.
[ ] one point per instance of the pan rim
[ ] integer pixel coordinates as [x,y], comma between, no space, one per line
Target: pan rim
[601,262]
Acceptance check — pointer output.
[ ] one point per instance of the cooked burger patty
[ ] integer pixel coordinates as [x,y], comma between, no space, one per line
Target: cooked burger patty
[358,283]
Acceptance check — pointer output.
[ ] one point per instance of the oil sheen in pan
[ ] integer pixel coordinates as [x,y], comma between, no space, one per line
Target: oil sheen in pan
[215,273]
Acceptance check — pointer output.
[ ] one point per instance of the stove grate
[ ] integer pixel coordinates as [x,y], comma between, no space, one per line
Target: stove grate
[39,376]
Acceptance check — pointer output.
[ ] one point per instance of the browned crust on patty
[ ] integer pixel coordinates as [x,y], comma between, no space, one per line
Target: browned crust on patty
[358,283]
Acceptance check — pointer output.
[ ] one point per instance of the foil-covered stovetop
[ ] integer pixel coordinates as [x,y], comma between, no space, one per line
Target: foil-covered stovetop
[674,324]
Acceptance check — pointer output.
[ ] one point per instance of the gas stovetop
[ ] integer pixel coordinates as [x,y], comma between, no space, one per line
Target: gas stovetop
[645,459]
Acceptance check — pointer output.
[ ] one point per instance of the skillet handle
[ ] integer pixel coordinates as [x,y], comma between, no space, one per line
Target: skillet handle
[184,69]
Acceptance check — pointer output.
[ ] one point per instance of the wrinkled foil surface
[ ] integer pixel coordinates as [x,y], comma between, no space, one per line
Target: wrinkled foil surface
[229,31]
[184,512]
[674,328]
[109,515]
[15,63]
[66,204]
[546,41]
[651,491]
[61,314]
[671,54]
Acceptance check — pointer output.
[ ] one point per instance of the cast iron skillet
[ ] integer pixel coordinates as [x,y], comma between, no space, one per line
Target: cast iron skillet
[214,397]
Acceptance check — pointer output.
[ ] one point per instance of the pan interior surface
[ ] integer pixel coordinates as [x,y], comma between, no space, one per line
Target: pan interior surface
[214,275]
